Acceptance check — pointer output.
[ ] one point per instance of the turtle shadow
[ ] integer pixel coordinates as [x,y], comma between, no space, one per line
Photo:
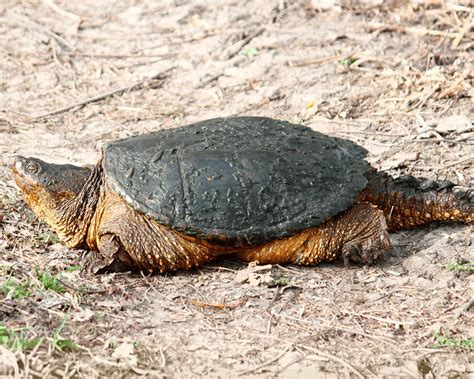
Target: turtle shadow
[405,244]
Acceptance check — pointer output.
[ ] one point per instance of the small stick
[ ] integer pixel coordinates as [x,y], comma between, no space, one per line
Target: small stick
[467,25]
[311,61]
[464,309]
[460,141]
[334,358]
[386,320]
[218,306]
[54,7]
[457,7]
[134,56]
[219,268]
[205,82]
[380,26]
[269,362]
[234,49]
[459,162]
[29,23]
[102,96]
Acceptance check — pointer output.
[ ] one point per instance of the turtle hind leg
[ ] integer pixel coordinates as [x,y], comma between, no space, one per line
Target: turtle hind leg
[358,234]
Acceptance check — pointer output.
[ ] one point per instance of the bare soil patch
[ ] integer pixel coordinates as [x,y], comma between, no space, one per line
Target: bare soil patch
[395,76]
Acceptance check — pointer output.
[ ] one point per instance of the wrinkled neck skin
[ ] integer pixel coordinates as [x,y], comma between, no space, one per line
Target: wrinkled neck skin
[77,214]
[70,214]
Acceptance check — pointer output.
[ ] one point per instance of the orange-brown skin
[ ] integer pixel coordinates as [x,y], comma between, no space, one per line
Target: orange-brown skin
[359,230]
[84,211]
[66,203]
[119,231]
[404,212]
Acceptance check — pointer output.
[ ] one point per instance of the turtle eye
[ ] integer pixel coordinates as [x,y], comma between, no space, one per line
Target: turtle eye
[32,168]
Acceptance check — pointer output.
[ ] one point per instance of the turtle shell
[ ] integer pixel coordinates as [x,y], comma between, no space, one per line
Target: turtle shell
[237,180]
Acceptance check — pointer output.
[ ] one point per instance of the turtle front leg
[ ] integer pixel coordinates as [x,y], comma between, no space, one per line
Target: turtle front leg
[123,238]
[358,234]
[110,256]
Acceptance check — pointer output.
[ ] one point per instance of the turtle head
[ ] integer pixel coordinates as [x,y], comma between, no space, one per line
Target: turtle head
[56,193]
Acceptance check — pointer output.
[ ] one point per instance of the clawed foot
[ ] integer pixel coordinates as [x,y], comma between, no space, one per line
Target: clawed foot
[110,258]
[371,240]
[93,262]
[359,252]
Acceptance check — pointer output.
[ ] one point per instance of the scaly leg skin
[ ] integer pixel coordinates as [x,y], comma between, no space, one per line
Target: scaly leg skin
[109,258]
[408,201]
[124,237]
[371,241]
[92,261]
[358,234]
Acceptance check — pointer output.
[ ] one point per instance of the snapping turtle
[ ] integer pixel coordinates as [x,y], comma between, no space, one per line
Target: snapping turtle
[268,190]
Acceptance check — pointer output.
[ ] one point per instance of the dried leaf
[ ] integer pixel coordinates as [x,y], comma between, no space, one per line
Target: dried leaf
[400,160]
[457,123]
[125,352]
[252,276]
[83,315]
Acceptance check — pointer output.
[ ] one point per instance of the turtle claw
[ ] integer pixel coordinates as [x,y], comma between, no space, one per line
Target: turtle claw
[358,252]
[93,262]
[369,245]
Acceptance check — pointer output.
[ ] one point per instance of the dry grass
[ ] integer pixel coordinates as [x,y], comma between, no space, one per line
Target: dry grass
[396,77]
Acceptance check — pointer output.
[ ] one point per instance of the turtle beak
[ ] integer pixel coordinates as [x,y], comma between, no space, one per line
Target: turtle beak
[18,164]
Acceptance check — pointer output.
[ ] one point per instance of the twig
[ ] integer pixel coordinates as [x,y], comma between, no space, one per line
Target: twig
[457,7]
[386,320]
[163,358]
[205,82]
[67,285]
[221,306]
[219,268]
[32,24]
[269,325]
[235,48]
[311,61]
[311,327]
[62,12]
[459,162]
[137,64]
[464,308]
[269,362]
[380,26]
[120,56]
[102,96]
[462,32]
[460,141]
[334,358]
[54,44]
[380,297]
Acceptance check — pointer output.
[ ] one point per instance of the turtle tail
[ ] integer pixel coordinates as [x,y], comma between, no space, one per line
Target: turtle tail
[408,201]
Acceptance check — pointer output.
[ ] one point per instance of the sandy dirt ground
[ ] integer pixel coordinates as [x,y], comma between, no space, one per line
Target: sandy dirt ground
[394,76]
